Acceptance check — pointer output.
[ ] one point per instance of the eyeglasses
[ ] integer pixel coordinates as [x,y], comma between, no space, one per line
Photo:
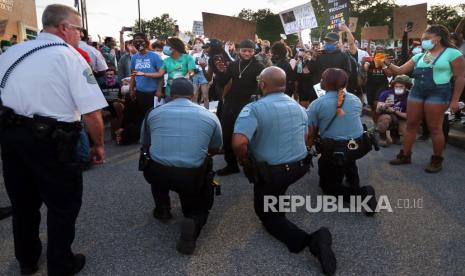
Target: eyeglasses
[76,27]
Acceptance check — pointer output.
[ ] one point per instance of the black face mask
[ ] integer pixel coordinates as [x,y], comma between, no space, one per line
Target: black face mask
[139,45]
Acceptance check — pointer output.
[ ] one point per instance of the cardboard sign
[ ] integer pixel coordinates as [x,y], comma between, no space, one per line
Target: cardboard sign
[353,24]
[298,18]
[228,28]
[415,14]
[3,24]
[6,5]
[197,29]
[374,33]
[338,12]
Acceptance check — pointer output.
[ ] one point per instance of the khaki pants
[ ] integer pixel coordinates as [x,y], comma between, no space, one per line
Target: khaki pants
[392,123]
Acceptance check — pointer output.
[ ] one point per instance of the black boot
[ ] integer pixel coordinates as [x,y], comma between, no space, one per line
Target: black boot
[186,243]
[320,247]
[163,214]
[5,212]
[372,203]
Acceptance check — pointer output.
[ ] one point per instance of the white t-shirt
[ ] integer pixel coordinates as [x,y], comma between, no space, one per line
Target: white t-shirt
[54,82]
[361,54]
[98,62]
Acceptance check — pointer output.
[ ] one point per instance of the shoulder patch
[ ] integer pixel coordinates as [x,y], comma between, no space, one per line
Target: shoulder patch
[89,76]
[245,112]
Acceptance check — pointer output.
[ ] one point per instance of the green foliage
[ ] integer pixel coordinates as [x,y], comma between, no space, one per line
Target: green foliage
[163,25]
[269,25]
[448,16]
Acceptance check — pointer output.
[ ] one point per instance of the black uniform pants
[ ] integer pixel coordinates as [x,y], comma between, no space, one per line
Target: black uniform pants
[230,112]
[276,223]
[332,175]
[32,177]
[195,195]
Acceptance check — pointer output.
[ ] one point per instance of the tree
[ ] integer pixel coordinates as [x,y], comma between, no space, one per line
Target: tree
[158,26]
[449,16]
[269,25]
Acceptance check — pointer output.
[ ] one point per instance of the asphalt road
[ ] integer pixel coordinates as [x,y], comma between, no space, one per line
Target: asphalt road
[117,233]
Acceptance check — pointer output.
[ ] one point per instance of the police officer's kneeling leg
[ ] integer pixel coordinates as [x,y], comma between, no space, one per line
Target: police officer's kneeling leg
[276,223]
[195,195]
[332,174]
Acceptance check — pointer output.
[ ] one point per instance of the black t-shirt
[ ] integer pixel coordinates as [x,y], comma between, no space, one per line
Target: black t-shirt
[111,93]
[290,75]
[376,76]
[329,59]
[244,84]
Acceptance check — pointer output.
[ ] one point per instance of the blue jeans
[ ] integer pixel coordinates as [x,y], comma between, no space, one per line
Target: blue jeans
[83,146]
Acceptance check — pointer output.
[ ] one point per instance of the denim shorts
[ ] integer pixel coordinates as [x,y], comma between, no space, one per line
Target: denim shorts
[431,93]
[199,79]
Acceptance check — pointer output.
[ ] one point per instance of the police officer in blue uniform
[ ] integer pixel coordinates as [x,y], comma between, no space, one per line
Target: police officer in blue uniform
[337,116]
[269,141]
[46,86]
[182,137]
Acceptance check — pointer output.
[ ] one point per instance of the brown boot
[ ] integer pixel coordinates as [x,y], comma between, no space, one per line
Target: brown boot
[435,165]
[401,159]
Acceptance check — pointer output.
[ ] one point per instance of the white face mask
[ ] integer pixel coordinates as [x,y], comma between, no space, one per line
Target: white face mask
[399,91]
[125,89]
[417,50]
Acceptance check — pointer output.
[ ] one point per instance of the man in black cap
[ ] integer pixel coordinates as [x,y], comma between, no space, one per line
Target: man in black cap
[240,78]
[330,57]
[179,135]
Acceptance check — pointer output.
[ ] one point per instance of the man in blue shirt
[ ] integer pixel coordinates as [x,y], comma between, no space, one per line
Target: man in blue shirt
[182,137]
[274,128]
[337,117]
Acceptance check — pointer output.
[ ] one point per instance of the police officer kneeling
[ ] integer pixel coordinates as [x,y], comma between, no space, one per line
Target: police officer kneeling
[43,99]
[342,138]
[181,136]
[274,128]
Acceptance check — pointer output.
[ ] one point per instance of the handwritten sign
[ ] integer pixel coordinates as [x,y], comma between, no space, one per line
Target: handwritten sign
[298,18]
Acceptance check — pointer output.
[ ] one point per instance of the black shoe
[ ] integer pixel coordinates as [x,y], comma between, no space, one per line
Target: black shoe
[228,170]
[29,270]
[186,243]
[320,247]
[5,212]
[162,214]
[372,203]
[79,263]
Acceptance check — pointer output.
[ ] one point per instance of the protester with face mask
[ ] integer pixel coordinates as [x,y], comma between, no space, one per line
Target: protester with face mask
[178,64]
[142,87]
[392,111]
[432,92]
[240,78]
[330,57]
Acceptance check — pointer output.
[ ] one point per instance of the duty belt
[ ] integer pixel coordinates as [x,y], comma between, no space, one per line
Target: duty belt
[289,166]
[20,120]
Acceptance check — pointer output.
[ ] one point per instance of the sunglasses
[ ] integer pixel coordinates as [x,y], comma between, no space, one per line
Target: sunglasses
[76,27]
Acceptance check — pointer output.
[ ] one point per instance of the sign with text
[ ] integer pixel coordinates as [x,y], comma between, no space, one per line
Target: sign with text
[414,14]
[375,33]
[338,12]
[197,29]
[228,28]
[298,19]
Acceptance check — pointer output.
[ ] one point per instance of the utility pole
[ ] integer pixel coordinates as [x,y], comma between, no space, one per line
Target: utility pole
[140,25]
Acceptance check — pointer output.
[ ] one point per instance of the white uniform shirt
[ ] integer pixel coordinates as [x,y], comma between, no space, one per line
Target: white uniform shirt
[54,82]
[98,62]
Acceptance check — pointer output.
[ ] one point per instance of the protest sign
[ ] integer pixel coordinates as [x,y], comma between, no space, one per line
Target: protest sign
[228,28]
[374,33]
[415,14]
[338,12]
[197,28]
[298,19]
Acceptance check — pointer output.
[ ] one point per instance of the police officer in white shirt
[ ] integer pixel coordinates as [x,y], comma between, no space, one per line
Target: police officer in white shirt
[46,86]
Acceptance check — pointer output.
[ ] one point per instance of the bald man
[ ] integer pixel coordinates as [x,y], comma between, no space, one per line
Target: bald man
[272,132]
